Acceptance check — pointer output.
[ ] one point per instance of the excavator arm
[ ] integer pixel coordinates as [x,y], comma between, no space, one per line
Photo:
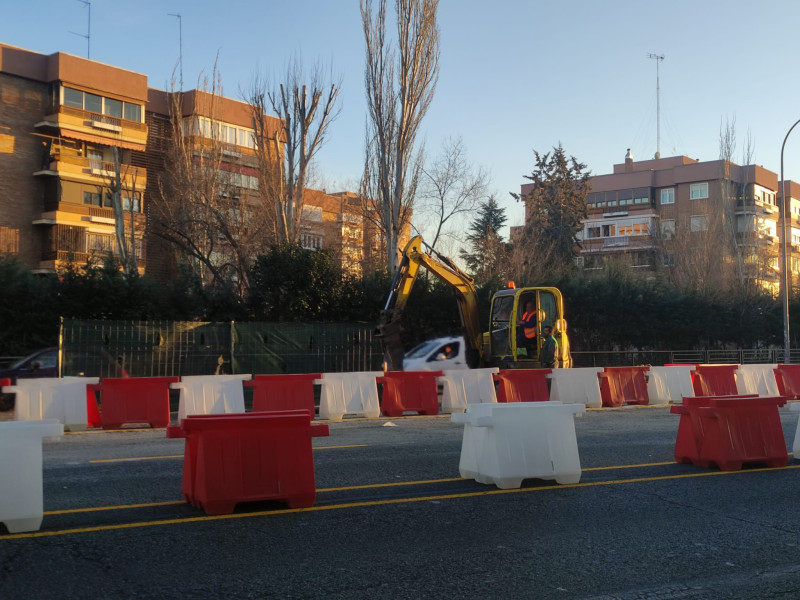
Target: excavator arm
[416,254]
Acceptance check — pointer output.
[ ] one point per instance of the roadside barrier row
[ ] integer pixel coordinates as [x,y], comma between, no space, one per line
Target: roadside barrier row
[518,424]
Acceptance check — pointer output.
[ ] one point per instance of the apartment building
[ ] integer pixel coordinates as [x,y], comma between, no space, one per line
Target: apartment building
[676,212]
[63,119]
[690,221]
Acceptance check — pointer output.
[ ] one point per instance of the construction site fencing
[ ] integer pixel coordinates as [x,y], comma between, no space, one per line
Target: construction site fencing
[176,348]
[628,358]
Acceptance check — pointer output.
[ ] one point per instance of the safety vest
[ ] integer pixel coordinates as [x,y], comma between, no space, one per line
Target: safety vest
[530,332]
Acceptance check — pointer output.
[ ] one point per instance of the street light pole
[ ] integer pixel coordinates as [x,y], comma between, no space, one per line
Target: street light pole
[785,216]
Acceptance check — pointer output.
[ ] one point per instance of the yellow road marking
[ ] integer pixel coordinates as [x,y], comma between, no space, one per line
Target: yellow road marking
[70,511]
[385,502]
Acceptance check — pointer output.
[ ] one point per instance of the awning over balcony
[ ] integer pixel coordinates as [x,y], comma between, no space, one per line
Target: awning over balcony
[99,139]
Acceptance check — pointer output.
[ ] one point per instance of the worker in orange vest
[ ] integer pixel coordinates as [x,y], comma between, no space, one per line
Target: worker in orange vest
[526,329]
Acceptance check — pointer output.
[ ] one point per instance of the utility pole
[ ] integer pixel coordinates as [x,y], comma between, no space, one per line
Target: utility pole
[180,44]
[88,34]
[786,282]
[658,59]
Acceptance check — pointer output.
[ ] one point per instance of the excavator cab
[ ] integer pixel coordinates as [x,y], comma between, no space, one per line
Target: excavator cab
[511,344]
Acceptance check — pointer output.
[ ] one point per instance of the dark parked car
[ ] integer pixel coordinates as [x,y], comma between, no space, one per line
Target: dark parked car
[43,363]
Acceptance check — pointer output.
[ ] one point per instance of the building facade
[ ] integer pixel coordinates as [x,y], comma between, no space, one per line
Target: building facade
[70,126]
[63,120]
[705,223]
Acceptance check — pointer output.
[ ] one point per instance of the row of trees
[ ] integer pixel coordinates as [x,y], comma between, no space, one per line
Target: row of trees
[219,213]
[611,312]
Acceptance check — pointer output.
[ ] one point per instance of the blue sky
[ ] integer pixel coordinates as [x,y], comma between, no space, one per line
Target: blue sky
[515,75]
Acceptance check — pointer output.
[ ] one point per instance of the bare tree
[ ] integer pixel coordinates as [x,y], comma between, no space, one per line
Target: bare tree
[307,103]
[115,186]
[400,84]
[451,187]
[531,257]
[742,229]
[205,209]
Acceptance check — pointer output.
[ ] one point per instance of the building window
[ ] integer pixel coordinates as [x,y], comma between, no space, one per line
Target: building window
[310,241]
[668,196]
[698,191]
[668,229]
[592,232]
[698,223]
[112,108]
[92,102]
[73,98]
[127,203]
[593,261]
[668,260]
[132,112]
[9,240]
[98,242]
[91,198]
[101,105]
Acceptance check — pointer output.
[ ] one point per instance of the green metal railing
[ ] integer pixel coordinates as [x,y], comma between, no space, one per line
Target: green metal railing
[159,348]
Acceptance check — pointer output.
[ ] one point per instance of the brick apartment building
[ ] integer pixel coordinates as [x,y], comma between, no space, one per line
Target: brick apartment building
[60,118]
[662,214]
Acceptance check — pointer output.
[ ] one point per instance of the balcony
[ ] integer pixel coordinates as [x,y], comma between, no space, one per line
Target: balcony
[93,169]
[616,242]
[57,259]
[97,128]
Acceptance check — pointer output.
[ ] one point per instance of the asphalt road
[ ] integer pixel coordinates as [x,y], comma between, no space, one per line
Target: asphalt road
[393,519]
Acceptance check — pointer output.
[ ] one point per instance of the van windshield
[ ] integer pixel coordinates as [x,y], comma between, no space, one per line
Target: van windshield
[423,349]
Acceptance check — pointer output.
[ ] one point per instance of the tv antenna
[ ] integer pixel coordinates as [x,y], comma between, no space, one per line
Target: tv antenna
[88,34]
[658,58]
[180,44]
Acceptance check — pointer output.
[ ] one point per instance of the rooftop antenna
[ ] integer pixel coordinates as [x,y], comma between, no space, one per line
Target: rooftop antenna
[180,42]
[88,34]
[658,59]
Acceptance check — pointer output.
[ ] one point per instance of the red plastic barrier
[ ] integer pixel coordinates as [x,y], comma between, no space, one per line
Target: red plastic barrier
[522,385]
[788,379]
[715,380]
[134,400]
[729,432]
[621,385]
[409,391]
[232,458]
[283,392]
[92,411]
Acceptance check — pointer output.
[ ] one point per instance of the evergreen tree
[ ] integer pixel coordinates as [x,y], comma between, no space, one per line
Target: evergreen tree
[555,208]
[487,257]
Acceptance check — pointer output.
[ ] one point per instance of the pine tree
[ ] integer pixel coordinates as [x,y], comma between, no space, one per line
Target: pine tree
[487,257]
[555,207]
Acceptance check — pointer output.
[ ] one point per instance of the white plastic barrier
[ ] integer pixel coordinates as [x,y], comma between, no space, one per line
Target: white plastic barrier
[21,495]
[757,379]
[349,394]
[576,386]
[210,394]
[795,407]
[504,444]
[63,399]
[467,386]
[670,384]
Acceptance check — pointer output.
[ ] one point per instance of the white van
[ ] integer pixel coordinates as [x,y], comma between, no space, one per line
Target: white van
[438,354]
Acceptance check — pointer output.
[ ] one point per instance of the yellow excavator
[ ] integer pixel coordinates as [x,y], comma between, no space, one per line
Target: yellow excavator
[505,345]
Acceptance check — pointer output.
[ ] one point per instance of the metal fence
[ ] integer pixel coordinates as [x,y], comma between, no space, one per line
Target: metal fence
[738,356]
[175,348]
[157,348]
